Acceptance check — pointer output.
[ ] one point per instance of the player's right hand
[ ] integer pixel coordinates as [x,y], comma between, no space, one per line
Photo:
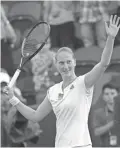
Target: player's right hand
[8,92]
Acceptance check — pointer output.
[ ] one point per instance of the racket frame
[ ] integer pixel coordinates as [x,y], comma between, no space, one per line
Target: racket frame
[16,74]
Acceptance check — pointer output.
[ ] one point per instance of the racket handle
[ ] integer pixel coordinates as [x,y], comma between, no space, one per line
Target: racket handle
[14,78]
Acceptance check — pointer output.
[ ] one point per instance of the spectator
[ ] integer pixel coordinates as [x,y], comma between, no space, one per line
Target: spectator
[8,39]
[6,28]
[21,131]
[5,107]
[91,16]
[117,41]
[4,80]
[41,66]
[116,128]
[16,129]
[103,119]
[60,16]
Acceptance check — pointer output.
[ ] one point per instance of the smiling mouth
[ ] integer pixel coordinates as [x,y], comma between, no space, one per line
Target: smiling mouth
[65,71]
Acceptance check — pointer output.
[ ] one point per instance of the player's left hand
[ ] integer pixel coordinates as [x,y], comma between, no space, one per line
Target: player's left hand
[113,27]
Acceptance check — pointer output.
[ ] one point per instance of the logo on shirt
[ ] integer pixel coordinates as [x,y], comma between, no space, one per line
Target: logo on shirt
[60,95]
[72,86]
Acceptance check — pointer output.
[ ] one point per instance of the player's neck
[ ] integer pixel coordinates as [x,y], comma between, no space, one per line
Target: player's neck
[68,80]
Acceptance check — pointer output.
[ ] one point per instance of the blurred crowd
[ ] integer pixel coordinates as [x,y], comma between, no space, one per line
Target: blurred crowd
[16,130]
[90,15]
[64,17]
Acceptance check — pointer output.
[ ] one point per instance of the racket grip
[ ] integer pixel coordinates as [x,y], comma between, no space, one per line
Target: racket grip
[14,78]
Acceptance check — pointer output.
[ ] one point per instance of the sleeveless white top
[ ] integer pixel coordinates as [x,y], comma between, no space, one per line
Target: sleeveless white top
[71,110]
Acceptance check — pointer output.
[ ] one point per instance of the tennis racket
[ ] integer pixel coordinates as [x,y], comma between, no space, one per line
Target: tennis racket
[33,42]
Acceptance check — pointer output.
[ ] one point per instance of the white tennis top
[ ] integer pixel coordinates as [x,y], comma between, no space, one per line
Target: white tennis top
[71,110]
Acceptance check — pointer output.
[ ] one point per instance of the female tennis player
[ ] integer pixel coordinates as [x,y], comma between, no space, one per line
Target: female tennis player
[71,99]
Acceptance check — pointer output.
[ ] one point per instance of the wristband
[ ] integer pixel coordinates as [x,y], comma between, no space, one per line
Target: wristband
[14,101]
[113,37]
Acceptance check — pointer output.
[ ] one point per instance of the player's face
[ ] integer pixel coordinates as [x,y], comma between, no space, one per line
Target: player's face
[65,63]
[109,95]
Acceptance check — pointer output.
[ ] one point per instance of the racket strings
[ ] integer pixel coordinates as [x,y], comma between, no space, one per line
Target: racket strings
[31,44]
[35,39]
[30,47]
[40,33]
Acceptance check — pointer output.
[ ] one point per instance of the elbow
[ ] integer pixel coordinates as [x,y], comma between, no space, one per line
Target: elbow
[104,65]
[34,117]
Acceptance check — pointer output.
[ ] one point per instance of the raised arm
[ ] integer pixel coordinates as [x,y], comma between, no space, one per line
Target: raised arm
[10,33]
[92,76]
[35,115]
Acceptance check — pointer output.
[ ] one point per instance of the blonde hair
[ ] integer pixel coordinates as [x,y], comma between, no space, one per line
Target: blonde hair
[65,49]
